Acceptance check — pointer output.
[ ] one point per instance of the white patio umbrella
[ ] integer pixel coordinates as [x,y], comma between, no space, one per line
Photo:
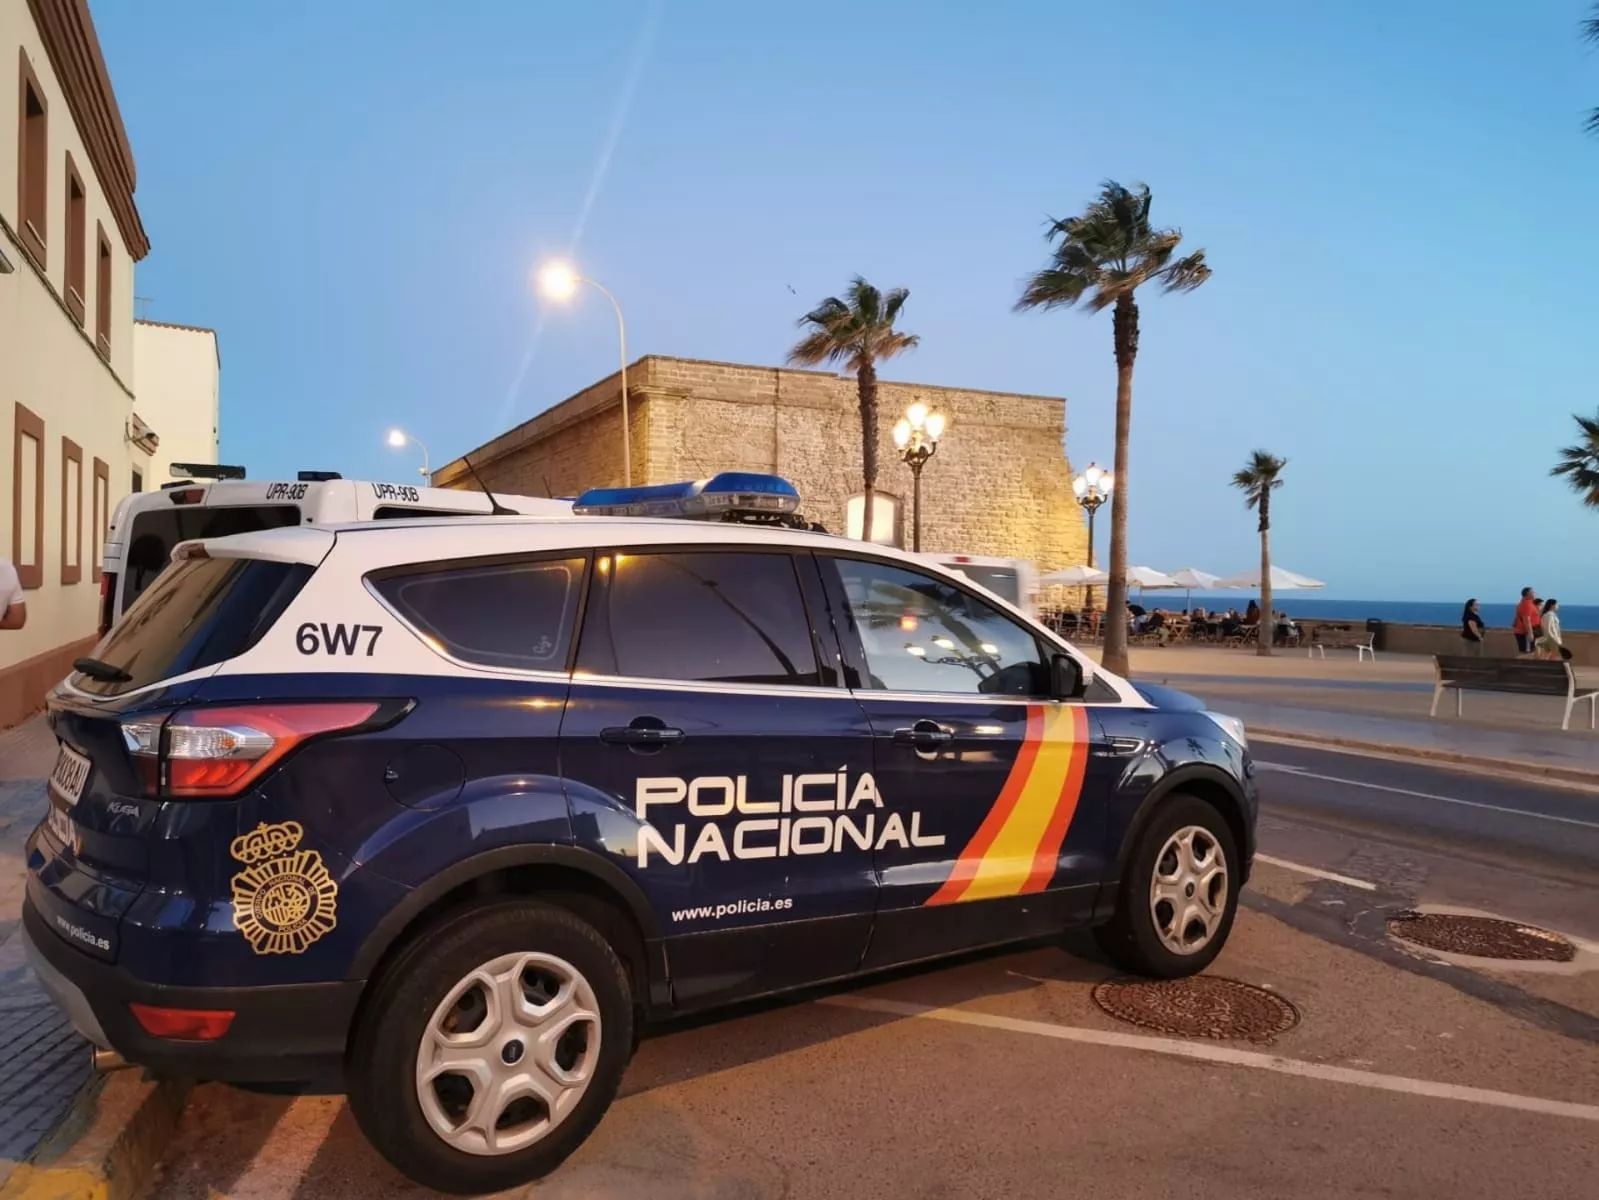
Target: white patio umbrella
[1281,580]
[1148,577]
[1189,578]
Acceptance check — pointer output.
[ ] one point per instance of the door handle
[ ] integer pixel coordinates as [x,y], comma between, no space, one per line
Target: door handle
[643,732]
[924,735]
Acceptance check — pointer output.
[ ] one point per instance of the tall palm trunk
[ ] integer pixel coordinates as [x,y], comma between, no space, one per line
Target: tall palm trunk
[1126,335]
[866,384]
[1266,632]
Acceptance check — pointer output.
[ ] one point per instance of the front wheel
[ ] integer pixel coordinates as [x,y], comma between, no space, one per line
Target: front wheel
[1179,895]
[492,1047]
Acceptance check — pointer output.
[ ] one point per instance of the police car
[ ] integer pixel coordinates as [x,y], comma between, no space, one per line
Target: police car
[452,809]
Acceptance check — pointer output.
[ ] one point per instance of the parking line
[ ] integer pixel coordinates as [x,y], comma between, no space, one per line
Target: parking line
[1301,773]
[1316,871]
[1228,1056]
[290,1149]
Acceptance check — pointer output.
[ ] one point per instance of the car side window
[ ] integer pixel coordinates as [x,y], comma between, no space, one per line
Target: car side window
[701,616]
[920,633]
[501,614]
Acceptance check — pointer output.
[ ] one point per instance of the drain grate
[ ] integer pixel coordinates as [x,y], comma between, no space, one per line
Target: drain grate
[1481,937]
[1206,1006]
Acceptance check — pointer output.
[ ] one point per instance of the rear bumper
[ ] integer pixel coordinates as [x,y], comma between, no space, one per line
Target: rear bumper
[289,1033]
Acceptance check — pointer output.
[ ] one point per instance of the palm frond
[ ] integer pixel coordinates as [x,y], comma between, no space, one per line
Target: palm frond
[1187,273]
[1579,463]
[817,348]
[856,330]
[1055,287]
[1590,26]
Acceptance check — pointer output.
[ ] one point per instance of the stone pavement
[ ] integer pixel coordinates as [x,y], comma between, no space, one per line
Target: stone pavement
[46,1063]
[1383,703]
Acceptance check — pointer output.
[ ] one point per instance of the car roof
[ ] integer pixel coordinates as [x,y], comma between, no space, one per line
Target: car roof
[433,538]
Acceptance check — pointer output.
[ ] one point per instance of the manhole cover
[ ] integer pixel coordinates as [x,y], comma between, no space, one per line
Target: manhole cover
[1200,1006]
[1481,937]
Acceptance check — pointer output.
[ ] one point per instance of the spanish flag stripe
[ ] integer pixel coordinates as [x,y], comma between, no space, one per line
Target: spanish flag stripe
[1047,857]
[1008,862]
[966,865]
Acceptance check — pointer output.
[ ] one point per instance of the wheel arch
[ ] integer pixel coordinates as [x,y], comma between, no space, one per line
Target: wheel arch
[576,879]
[1204,782]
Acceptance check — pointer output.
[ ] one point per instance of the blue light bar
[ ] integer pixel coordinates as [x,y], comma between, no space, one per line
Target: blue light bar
[730,493]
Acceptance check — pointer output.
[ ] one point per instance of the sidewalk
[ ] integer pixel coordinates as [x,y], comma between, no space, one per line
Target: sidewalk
[46,1062]
[1380,705]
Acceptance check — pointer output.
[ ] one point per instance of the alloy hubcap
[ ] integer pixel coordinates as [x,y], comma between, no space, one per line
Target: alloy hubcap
[508,1053]
[1188,891]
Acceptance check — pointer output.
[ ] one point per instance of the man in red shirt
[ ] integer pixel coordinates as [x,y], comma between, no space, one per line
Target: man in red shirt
[1527,622]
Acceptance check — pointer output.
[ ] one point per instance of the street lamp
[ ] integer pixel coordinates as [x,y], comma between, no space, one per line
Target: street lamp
[558,282]
[916,437]
[1092,488]
[398,438]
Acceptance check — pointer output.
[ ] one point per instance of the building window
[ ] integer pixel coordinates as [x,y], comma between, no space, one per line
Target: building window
[887,527]
[27,498]
[99,515]
[102,296]
[138,480]
[77,240]
[33,163]
[71,511]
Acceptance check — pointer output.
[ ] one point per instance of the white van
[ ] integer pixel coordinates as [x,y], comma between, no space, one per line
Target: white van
[1011,579]
[147,525]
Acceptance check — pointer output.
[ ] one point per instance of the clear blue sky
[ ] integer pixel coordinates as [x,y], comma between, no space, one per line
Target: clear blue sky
[1400,210]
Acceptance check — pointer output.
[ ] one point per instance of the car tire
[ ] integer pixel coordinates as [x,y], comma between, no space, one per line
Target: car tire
[1164,889]
[414,1071]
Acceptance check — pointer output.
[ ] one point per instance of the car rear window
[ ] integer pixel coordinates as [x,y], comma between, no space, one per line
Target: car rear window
[154,533]
[518,614]
[201,612]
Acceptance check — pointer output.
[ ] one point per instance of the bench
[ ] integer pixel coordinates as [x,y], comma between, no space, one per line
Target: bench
[1342,637]
[1517,676]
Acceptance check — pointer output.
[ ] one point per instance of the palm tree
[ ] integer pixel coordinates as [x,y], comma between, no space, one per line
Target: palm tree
[1102,258]
[1258,480]
[1580,463]
[858,331]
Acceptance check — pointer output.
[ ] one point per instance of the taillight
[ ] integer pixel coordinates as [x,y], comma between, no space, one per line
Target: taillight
[218,752]
[182,1024]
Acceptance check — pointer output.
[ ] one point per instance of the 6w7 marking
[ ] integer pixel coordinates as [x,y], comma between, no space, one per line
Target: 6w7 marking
[321,638]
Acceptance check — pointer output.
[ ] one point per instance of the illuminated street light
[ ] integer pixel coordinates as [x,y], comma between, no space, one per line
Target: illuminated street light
[558,281]
[399,439]
[916,437]
[1092,488]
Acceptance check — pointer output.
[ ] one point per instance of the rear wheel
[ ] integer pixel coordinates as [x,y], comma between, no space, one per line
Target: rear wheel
[1179,894]
[492,1047]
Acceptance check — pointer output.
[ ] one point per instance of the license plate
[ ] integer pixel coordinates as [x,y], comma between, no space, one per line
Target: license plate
[70,774]
[60,823]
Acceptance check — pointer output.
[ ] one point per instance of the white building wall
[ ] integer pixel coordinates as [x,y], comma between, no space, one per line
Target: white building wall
[177,377]
[51,373]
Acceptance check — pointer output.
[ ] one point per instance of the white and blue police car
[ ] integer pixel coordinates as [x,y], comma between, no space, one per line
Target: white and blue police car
[449,810]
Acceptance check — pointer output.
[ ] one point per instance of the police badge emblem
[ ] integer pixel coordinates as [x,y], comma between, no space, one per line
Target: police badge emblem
[285,899]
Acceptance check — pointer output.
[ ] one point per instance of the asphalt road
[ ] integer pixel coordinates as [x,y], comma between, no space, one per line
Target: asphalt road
[1516,847]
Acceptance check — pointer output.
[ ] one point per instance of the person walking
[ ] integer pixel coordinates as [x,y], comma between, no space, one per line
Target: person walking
[1549,643]
[1527,622]
[13,612]
[1472,629]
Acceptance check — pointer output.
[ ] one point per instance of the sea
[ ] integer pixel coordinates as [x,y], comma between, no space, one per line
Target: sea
[1307,606]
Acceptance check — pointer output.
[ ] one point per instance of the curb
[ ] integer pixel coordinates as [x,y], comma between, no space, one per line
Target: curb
[1451,757]
[108,1146]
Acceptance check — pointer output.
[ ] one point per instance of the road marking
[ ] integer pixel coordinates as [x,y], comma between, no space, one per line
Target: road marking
[1228,1056]
[290,1149]
[1316,871]
[1302,773]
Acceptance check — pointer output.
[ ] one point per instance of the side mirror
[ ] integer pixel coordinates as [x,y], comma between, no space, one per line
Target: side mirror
[1067,681]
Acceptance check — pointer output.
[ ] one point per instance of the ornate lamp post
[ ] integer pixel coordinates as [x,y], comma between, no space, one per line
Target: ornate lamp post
[916,437]
[1092,488]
